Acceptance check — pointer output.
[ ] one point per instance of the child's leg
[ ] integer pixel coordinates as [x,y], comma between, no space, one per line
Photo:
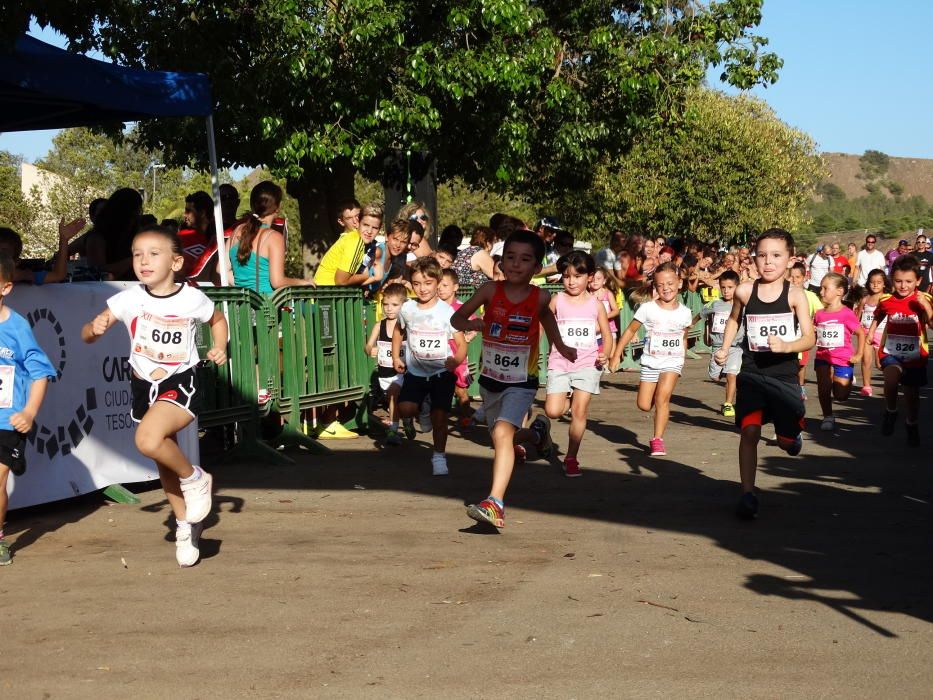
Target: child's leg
[504,436]
[802,375]
[155,437]
[579,408]
[662,401]
[730,388]
[555,405]
[392,395]
[912,403]
[892,378]
[645,398]
[824,385]
[4,499]
[748,456]
[439,426]
[408,409]
[172,487]
[842,386]
[867,360]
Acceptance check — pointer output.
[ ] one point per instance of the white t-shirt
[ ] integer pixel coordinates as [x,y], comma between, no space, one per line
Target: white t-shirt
[664,335]
[868,261]
[497,249]
[607,258]
[162,329]
[427,345]
[819,267]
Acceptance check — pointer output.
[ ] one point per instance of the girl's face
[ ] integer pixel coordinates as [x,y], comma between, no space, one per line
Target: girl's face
[154,262]
[598,281]
[876,284]
[649,248]
[797,277]
[575,282]
[666,284]
[830,292]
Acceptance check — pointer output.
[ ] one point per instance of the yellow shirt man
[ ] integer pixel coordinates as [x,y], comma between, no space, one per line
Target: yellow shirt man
[341,261]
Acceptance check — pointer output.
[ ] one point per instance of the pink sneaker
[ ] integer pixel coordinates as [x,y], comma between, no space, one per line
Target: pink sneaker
[572,467]
[520,454]
[865,391]
[657,447]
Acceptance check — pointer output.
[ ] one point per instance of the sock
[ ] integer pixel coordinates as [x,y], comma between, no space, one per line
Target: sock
[195,475]
[497,502]
[439,454]
[393,425]
[182,524]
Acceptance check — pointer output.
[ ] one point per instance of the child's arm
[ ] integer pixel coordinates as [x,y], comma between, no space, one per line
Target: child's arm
[218,353]
[732,325]
[549,324]
[458,357]
[626,338]
[23,420]
[603,322]
[613,308]
[801,308]
[461,320]
[859,336]
[378,266]
[371,348]
[65,233]
[99,325]
[397,349]
[927,309]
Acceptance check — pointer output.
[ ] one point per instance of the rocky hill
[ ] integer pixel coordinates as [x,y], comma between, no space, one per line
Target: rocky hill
[915,175]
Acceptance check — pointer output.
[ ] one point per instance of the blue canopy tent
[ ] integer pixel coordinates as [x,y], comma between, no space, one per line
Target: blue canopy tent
[44,87]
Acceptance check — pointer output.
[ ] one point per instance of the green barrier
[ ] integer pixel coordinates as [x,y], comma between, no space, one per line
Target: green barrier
[626,316]
[231,391]
[323,356]
[694,302]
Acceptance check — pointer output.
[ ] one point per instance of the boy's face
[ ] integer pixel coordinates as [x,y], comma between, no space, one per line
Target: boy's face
[444,259]
[797,277]
[904,282]
[425,287]
[391,306]
[727,289]
[349,219]
[153,259]
[397,243]
[519,263]
[446,289]
[369,227]
[772,259]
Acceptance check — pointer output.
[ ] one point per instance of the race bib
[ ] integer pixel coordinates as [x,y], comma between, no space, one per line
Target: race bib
[829,335]
[718,325]
[868,315]
[384,353]
[505,363]
[7,383]
[163,340]
[578,333]
[904,347]
[760,327]
[428,345]
[666,344]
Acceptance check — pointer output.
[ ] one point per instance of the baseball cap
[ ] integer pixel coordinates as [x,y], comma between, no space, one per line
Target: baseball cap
[548,222]
[903,242]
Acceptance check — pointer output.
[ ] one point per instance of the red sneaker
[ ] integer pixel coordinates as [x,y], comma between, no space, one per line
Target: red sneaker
[657,447]
[572,467]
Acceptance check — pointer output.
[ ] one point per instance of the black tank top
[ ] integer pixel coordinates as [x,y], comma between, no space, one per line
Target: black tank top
[761,320]
[382,350]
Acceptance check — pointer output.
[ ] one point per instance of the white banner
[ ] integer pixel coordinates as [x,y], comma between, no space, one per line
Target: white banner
[83,439]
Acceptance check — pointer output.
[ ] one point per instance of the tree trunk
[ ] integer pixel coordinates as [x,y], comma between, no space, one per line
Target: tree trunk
[318,193]
[417,171]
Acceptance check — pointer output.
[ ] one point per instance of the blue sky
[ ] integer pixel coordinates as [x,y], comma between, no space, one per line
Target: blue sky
[857,75]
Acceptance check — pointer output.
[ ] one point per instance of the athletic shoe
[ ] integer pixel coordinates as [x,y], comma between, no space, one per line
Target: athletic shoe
[865,391]
[887,422]
[795,446]
[408,426]
[913,435]
[479,415]
[487,511]
[828,424]
[521,454]
[439,464]
[336,431]
[466,423]
[541,427]
[424,424]
[393,439]
[803,393]
[197,495]
[187,539]
[5,557]
[747,509]
[572,467]
[728,410]
[656,446]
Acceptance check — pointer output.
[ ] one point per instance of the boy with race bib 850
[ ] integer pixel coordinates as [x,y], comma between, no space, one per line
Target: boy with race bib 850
[776,319]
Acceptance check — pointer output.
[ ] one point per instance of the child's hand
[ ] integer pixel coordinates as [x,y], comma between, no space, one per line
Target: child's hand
[217,355]
[68,231]
[602,359]
[567,351]
[469,335]
[99,324]
[856,359]
[451,363]
[720,356]
[776,344]
[374,352]
[399,366]
[22,421]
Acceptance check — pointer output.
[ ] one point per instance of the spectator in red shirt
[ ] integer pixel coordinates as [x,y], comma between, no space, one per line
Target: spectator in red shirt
[839,260]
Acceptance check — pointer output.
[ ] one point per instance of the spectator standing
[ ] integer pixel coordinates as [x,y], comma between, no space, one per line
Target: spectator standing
[108,244]
[818,266]
[474,264]
[415,211]
[608,257]
[868,259]
[903,248]
[925,257]
[839,260]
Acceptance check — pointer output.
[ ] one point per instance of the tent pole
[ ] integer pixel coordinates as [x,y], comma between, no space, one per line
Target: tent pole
[218,214]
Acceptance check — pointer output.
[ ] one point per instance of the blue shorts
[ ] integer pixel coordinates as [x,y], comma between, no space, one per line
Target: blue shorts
[910,376]
[841,371]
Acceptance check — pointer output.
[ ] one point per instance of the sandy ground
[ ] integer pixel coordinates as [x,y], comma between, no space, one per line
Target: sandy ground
[359,575]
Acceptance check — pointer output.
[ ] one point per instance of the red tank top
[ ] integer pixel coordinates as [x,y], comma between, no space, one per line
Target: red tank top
[510,341]
[905,336]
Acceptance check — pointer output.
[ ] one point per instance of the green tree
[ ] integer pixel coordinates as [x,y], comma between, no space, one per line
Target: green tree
[23,213]
[518,95]
[874,164]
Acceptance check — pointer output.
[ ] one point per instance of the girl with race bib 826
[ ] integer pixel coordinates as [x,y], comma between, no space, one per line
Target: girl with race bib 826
[162,318]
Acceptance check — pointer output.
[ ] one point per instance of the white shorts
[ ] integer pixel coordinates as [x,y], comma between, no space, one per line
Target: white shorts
[732,366]
[585,379]
[386,382]
[511,405]
[651,375]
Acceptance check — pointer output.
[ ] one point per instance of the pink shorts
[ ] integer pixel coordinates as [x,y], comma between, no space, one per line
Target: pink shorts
[462,373]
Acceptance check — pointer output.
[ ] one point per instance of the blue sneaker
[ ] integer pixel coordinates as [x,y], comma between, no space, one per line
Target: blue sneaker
[795,446]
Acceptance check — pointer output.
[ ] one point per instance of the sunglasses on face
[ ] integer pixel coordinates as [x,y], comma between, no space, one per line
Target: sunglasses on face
[418,217]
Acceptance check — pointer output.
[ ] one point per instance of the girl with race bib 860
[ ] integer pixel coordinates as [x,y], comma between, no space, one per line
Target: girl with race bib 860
[162,318]
[666,323]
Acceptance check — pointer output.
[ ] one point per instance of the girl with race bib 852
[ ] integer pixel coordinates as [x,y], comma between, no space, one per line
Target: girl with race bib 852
[162,318]
[666,323]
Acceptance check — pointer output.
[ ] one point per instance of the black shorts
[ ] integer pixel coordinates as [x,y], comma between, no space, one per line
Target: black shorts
[440,388]
[180,389]
[761,399]
[13,451]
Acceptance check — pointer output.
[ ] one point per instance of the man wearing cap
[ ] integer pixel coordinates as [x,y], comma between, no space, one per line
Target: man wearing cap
[869,258]
[923,254]
[903,247]
[547,228]
[819,264]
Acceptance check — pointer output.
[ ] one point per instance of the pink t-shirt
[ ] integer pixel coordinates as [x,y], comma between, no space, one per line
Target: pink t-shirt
[603,295]
[578,325]
[834,335]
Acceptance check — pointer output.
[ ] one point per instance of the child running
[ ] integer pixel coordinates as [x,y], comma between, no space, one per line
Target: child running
[515,312]
[775,316]
[904,350]
[380,347]
[835,325]
[24,376]
[424,326]
[666,323]
[603,288]
[877,286]
[798,278]
[716,314]
[447,291]
[581,318]
[162,319]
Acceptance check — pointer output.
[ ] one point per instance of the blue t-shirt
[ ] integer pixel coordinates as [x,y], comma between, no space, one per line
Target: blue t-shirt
[26,361]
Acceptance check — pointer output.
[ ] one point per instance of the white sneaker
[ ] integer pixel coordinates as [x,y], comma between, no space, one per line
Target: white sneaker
[187,539]
[828,424]
[197,497]
[439,464]
[424,424]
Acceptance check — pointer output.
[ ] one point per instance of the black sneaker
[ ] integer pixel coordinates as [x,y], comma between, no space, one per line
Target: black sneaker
[913,435]
[888,421]
[747,509]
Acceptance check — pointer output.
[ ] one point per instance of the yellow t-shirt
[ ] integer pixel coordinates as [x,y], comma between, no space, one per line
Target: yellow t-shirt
[346,254]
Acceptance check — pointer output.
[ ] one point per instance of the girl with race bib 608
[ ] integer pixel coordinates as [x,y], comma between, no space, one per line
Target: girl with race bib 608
[835,324]
[877,286]
[903,350]
[666,323]
[162,318]
[582,319]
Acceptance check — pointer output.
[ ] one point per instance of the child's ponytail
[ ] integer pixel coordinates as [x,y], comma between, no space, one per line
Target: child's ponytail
[264,199]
